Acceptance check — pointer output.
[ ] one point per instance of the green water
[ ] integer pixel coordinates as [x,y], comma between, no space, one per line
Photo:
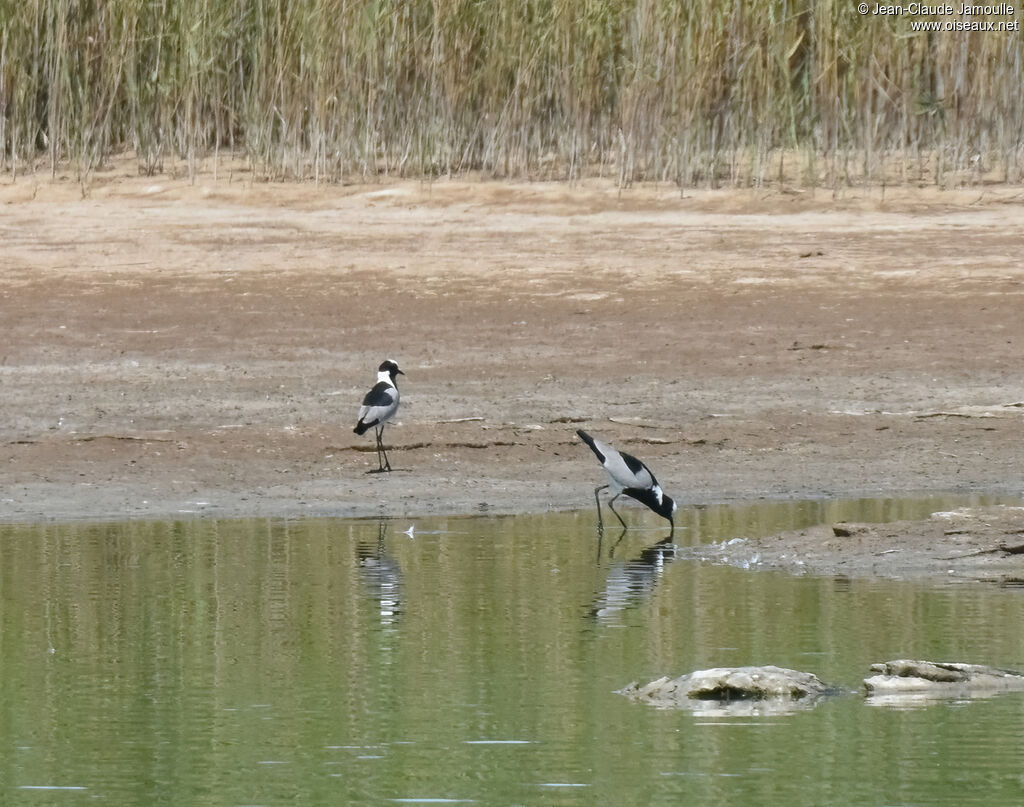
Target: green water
[343,662]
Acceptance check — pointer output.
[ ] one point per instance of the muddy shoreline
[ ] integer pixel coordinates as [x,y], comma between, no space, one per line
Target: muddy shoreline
[177,349]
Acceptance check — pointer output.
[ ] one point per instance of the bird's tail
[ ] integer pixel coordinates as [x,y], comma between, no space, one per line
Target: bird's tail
[361,427]
[586,438]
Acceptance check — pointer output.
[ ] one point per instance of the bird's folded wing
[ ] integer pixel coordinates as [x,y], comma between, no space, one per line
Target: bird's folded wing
[382,394]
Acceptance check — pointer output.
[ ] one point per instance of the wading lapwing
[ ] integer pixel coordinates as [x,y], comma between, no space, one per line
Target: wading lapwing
[379,406]
[630,476]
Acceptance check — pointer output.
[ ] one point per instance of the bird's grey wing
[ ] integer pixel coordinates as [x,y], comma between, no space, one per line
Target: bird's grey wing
[640,472]
[382,394]
[380,403]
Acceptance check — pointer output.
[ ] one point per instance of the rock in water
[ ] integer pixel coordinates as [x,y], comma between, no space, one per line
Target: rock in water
[728,685]
[934,679]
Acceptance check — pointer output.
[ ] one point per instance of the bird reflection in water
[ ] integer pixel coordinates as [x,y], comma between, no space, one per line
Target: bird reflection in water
[382,576]
[631,582]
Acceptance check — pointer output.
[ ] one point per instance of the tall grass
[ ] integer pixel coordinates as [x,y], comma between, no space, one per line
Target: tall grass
[698,92]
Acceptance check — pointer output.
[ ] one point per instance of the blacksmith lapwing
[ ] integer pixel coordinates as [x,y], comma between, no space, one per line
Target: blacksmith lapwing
[630,476]
[379,406]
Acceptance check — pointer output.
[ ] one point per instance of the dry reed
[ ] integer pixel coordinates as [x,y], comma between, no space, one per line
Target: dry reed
[696,92]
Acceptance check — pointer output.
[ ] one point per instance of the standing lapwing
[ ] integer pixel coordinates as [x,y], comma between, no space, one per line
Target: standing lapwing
[630,476]
[379,406]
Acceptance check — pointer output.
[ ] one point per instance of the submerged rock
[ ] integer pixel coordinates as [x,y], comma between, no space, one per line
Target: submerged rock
[732,690]
[909,680]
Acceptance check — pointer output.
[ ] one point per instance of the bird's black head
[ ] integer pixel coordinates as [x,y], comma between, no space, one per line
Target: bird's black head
[391,368]
[661,504]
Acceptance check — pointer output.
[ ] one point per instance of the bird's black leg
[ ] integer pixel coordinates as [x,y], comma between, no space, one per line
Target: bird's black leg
[381,451]
[382,456]
[611,552]
[611,506]
[600,521]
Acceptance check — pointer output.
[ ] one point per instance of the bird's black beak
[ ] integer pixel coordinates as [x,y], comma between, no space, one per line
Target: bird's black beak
[399,372]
